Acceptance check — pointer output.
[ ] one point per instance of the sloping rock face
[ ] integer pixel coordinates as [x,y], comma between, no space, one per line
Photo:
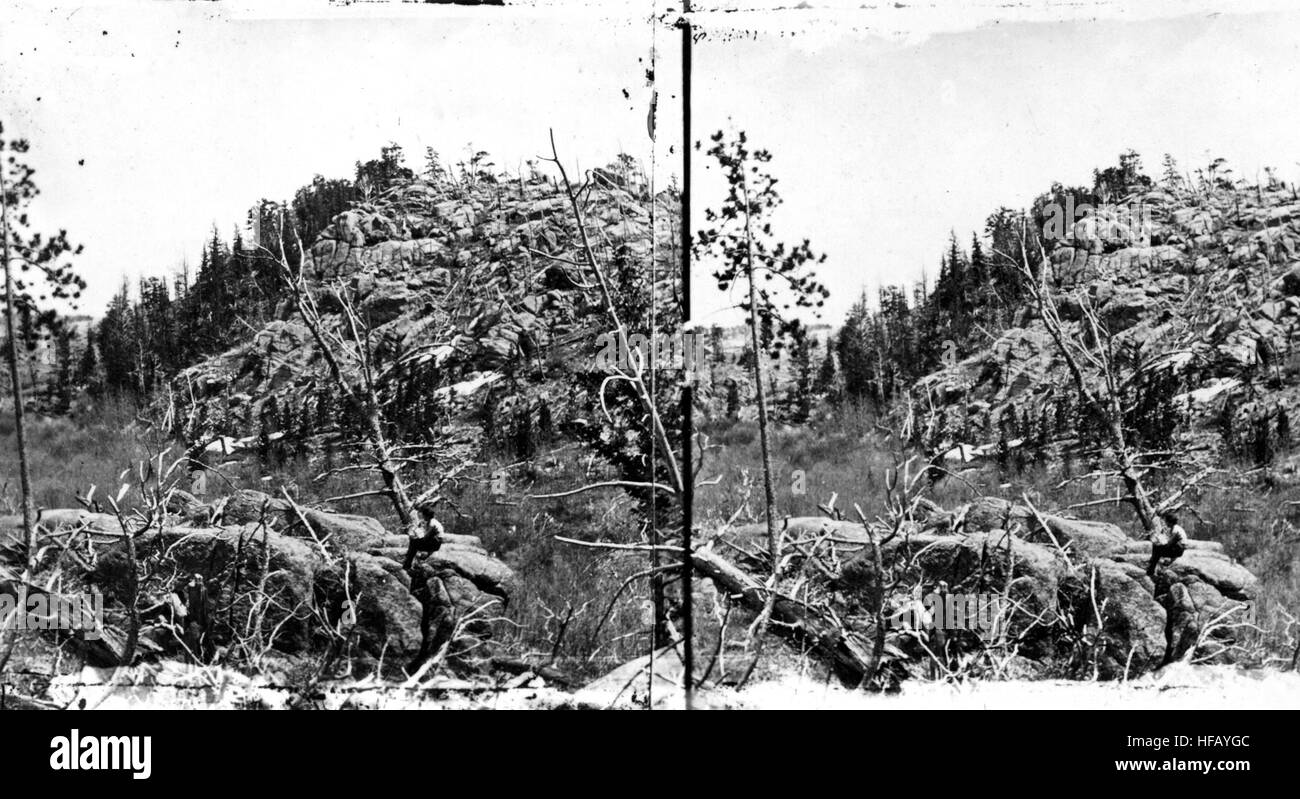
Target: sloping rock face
[1079,596]
[1203,290]
[463,289]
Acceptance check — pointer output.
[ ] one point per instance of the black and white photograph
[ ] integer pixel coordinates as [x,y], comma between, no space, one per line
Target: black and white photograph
[652,356]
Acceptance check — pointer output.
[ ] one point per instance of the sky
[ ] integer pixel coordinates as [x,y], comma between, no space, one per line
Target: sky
[890,127]
[884,144]
[150,123]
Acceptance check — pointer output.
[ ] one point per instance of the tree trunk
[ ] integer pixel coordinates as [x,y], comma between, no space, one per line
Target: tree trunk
[769,492]
[20,424]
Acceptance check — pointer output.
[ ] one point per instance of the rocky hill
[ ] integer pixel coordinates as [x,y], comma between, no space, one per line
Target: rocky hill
[1198,293]
[466,293]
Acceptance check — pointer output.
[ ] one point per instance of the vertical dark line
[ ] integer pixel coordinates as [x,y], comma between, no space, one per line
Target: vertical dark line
[688,479]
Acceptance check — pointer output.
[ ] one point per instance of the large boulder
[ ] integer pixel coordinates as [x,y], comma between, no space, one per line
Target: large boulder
[993,513]
[343,531]
[1184,628]
[1122,307]
[463,589]
[1079,536]
[340,531]
[1133,622]
[1084,537]
[389,618]
[1061,574]
[478,578]
[312,567]
[1203,562]
[248,570]
[247,506]
[386,301]
[465,555]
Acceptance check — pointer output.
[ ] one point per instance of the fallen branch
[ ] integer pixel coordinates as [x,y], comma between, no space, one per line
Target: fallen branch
[845,652]
[610,545]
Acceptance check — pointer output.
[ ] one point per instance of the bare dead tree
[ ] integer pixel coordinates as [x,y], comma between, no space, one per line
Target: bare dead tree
[641,377]
[1102,394]
[638,376]
[361,393]
[155,484]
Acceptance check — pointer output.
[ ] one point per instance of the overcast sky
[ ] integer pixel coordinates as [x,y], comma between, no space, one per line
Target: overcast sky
[883,145]
[184,114]
[889,127]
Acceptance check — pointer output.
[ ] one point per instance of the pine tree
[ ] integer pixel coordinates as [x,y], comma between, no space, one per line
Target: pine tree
[117,347]
[88,368]
[53,277]
[264,450]
[307,418]
[384,172]
[1262,443]
[61,387]
[745,360]
[798,404]
[952,287]
[855,352]
[545,425]
[733,399]
[979,280]
[825,383]
[1171,177]
[741,238]
[525,444]
[1114,183]
[434,172]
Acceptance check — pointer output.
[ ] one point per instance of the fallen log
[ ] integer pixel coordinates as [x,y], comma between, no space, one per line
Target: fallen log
[518,667]
[104,649]
[847,654]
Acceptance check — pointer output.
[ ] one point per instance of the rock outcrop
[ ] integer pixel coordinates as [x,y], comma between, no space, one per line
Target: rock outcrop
[459,286]
[1202,289]
[254,570]
[1068,581]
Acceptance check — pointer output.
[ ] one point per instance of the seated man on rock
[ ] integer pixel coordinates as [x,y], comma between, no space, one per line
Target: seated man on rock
[431,538]
[1173,545]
